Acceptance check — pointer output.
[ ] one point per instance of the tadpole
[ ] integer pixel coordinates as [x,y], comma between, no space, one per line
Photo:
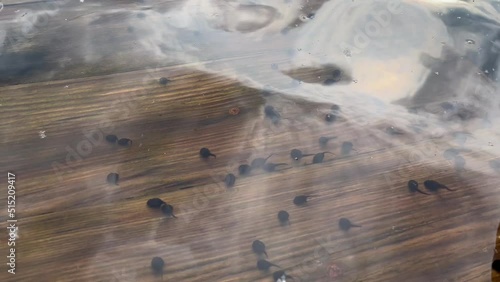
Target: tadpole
[259,162]
[283,216]
[113,178]
[272,113]
[345,224]
[230,180]
[111,138]
[124,142]
[413,187]
[244,169]
[434,186]
[281,276]
[337,74]
[297,154]
[205,153]
[330,117]
[264,265]
[163,81]
[157,265]
[259,247]
[324,140]
[155,203]
[346,148]
[168,210]
[270,167]
[319,157]
[301,199]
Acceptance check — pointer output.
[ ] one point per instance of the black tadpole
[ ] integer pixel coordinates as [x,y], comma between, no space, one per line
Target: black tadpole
[113,178]
[434,186]
[280,276]
[413,187]
[259,162]
[155,203]
[111,138]
[270,167]
[319,157]
[297,154]
[324,140]
[163,81]
[345,224]
[125,142]
[301,199]
[330,117]
[157,264]
[283,216]
[230,180]
[264,265]
[244,169]
[337,74]
[168,210]
[259,247]
[205,153]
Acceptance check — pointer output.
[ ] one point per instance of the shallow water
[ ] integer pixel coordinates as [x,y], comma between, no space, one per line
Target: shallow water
[417,80]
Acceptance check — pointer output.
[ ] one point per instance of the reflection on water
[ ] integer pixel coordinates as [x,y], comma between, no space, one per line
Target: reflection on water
[403,59]
[402,71]
[380,44]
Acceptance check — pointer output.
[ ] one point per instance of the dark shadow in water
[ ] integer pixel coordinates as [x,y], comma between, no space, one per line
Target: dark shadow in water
[495,265]
[462,19]
[21,66]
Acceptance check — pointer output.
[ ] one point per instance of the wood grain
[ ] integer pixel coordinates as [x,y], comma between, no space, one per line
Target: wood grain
[73,226]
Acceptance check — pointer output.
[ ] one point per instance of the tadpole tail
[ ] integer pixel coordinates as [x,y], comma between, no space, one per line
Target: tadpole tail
[355,225]
[265,253]
[268,157]
[307,155]
[328,153]
[448,188]
[173,215]
[213,155]
[421,192]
